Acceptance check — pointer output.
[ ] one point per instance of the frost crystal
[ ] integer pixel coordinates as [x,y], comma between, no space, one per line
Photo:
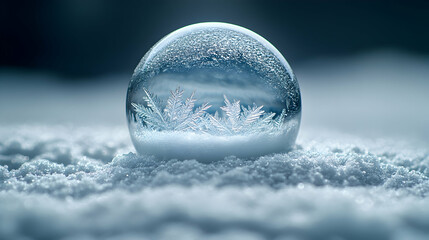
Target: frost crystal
[179,115]
[232,72]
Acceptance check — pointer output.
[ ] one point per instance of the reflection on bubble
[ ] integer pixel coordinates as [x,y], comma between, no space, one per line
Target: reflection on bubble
[211,90]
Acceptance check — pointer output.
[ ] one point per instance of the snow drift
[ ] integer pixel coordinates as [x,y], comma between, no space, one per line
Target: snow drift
[71,183]
[84,181]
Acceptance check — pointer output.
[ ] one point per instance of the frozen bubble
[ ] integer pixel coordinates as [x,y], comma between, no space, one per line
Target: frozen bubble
[211,90]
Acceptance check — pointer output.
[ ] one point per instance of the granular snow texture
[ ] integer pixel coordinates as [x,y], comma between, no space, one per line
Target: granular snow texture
[80,183]
[68,169]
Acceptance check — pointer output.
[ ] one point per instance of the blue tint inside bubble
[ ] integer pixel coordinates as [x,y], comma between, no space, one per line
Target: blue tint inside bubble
[211,90]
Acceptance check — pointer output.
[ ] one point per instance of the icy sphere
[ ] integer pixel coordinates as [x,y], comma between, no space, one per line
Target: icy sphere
[211,90]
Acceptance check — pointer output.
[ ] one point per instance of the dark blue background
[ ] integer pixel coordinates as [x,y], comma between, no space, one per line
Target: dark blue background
[80,38]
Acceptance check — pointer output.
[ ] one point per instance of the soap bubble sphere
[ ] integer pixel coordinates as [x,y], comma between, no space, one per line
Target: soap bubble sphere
[211,90]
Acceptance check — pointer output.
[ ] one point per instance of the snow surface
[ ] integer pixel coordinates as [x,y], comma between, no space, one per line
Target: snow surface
[83,181]
[80,183]
[207,148]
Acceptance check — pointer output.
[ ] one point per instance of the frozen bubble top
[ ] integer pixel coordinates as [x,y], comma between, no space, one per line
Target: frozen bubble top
[211,90]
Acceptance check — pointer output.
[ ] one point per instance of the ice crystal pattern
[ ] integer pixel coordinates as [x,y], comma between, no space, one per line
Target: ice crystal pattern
[179,115]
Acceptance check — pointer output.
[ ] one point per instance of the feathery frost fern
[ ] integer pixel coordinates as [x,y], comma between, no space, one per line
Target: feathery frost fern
[180,115]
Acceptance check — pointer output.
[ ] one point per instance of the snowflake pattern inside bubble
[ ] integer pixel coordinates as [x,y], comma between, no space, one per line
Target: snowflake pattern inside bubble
[211,90]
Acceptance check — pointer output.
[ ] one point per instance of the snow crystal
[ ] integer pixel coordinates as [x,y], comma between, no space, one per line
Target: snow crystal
[181,116]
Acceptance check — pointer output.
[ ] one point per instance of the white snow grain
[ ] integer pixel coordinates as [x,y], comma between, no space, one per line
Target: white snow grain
[78,183]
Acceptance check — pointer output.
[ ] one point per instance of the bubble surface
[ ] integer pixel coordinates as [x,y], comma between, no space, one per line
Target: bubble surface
[211,90]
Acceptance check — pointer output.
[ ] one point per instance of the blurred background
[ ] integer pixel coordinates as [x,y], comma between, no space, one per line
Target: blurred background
[78,38]
[363,66]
